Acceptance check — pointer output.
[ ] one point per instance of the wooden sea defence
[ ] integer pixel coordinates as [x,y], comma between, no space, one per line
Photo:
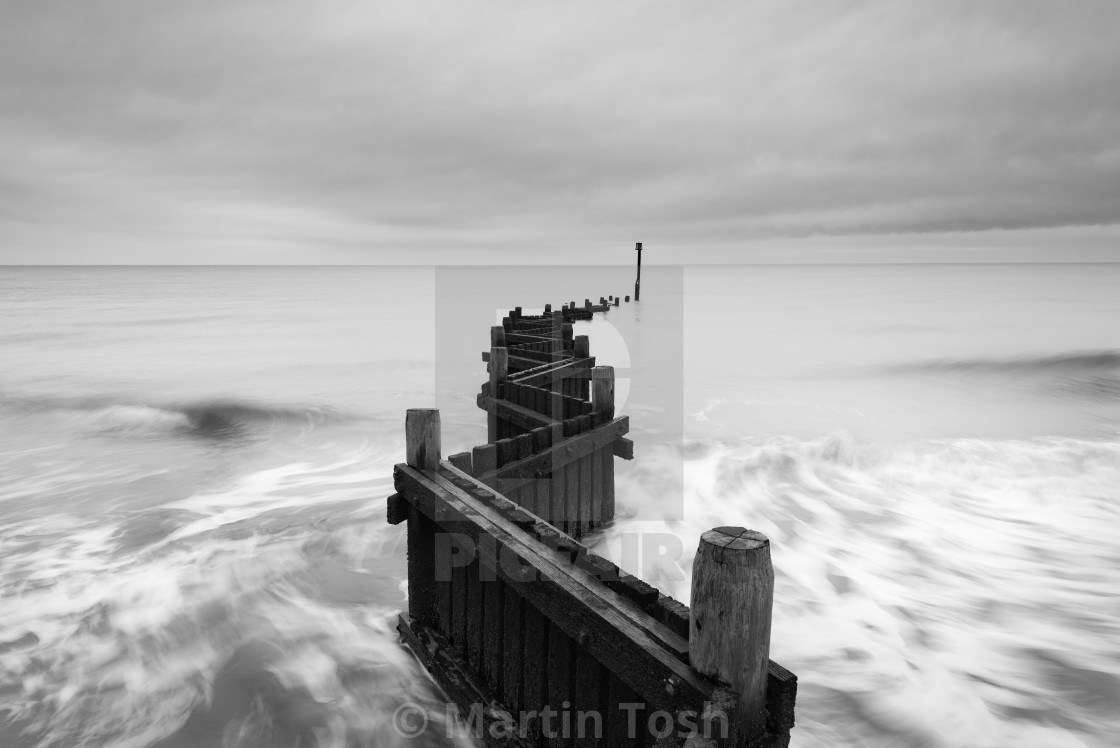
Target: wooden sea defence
[537,640]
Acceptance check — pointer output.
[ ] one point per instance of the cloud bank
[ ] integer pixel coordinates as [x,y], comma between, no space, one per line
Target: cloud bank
[284,131]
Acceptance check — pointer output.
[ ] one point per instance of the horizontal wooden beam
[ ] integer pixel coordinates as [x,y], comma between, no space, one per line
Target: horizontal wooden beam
[515,414]
[518,363]
[543,374]
[624,448]
[539,357]
[567,451]
[396,509]
[522,338]
[540,331]
[628,642]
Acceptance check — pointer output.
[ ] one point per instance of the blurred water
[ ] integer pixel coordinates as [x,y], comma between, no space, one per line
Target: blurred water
[193,465]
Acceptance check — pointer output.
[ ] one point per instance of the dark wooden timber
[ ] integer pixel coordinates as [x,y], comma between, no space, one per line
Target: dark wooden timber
[515,618]
[733,596]
[638,280]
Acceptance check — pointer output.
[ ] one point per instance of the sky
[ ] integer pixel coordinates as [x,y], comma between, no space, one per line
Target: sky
[482,131]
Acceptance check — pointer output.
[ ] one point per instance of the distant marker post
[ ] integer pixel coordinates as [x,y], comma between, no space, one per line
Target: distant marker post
[638,281]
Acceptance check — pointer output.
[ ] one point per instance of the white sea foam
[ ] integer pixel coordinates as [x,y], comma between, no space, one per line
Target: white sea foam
[926,594]
[128,644]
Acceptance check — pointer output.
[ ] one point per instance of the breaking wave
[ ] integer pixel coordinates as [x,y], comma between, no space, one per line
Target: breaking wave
[210,418]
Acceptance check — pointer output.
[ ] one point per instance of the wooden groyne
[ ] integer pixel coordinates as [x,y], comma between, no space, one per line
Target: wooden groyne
[538,641]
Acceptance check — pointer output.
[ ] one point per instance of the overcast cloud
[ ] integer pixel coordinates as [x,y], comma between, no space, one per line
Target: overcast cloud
[280,131]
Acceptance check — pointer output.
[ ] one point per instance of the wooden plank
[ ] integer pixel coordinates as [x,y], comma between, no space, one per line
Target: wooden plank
[556,403]
[586,700]
[444,590]
[630,643]
[781,695]
[493,627]
[621,725]
[514,414]
[558,488]
[538,332]
[573,485]
[396,509]
[485,460]
[499,372]
[561,658]
[529,335]
[535,357]
[523,446]
[506,453]
[518,363]
[542,442]
[523,449]
[542,402]
[476,617]
[542,375]
[584,513]
[535,662]
[597,487]
[463,461]
[558,484]
[513,669]
[422,603]
[607,509]
[568,450]
[624,448]
[459,606]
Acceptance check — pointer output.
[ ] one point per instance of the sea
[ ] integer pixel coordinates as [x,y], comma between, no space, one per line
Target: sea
[194,465]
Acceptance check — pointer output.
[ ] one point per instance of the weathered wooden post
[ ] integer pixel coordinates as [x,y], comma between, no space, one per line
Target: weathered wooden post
[602,401]
[566,331]
[422,437]
[499,370]
[627,299]
[729,626]
[547,309]
[582,346]
[497,336]
[484,458]
[616,301]
[422,452]
[602,389]
[638,281]
[587,303]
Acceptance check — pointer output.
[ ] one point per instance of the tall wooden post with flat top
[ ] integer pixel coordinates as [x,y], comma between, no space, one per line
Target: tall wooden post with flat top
[638,281]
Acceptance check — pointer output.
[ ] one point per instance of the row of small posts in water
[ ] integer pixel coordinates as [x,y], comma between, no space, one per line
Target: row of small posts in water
[538,640]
